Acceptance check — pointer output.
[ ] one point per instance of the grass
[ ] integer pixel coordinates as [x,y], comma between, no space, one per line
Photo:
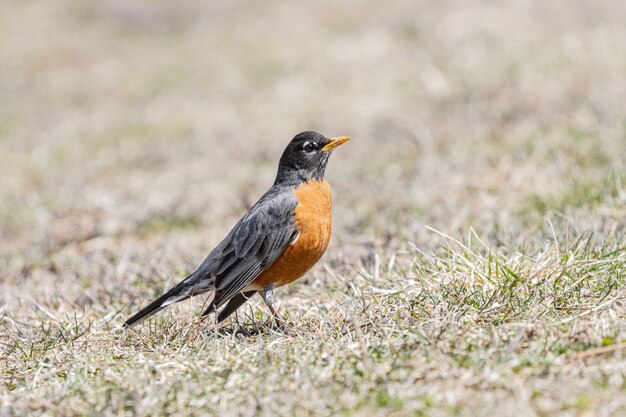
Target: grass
[478,260]
[396,336]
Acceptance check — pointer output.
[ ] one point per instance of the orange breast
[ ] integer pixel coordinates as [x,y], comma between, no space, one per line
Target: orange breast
[314,222]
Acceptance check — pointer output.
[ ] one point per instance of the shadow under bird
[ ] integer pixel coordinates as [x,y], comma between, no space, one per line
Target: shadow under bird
[283,235]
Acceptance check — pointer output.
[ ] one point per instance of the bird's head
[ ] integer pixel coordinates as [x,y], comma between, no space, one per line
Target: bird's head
[306,156]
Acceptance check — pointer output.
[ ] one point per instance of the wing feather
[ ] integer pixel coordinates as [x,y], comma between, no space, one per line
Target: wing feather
[253,245]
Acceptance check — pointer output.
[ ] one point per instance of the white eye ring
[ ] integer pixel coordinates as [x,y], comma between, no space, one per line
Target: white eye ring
[309,147]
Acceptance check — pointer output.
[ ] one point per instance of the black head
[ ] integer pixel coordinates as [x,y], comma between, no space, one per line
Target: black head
[305,157]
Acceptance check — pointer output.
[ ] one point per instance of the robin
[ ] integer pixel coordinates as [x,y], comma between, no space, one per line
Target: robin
[282,236]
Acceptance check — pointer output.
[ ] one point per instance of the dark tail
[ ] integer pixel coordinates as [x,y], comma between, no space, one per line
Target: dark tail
[180,292]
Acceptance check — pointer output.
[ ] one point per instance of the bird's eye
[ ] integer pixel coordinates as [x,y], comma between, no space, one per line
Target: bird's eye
[309,147]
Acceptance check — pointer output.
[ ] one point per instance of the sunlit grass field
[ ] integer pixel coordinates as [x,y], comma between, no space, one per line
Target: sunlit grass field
[478,259]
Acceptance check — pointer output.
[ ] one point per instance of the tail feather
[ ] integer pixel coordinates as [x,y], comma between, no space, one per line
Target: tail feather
[179,293]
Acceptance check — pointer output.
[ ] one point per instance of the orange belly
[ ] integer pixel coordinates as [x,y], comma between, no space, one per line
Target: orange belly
[314,222]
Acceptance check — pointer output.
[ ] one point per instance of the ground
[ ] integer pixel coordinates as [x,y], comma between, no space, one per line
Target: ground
[477,265]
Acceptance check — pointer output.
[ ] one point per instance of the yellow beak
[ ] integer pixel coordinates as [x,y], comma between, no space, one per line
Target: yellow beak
[334,142]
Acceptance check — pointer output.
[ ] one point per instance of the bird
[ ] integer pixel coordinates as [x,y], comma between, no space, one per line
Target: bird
[276,242]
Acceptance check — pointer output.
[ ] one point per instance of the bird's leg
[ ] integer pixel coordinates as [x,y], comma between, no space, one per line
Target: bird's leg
[268,296]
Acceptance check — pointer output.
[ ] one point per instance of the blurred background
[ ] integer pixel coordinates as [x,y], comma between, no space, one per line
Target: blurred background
[134,134]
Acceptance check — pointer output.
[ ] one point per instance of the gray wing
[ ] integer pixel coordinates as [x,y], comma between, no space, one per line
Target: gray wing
[253,245]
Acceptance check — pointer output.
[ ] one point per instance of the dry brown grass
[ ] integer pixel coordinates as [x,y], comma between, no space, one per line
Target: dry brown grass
[478,261]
